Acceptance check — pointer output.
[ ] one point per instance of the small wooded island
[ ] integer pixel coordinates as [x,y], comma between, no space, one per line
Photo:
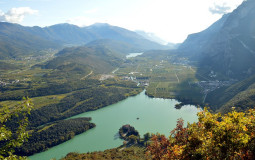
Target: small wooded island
[132,136]
[128,133]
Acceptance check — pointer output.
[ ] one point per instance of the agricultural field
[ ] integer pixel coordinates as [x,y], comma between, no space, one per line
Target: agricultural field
[164,79]
[38,102]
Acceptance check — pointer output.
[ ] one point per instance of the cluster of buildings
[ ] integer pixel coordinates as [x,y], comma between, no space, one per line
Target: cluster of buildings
[2,83]
[139,81]
[45,54]
[105,77]
[41,57]
[209,86]
[180,61]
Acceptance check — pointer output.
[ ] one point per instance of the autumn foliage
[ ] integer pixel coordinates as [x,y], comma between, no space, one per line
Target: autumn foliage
[214,137]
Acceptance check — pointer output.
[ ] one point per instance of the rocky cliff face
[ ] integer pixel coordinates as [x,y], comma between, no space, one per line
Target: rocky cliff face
[228,46]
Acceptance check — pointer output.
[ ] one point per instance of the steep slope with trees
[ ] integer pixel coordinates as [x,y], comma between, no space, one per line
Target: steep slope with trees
[240,95]
[227,47]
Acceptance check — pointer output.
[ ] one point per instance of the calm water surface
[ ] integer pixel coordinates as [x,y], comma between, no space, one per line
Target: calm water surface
[155,115]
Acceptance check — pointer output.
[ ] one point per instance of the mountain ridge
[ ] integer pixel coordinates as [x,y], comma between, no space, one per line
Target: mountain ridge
[227,46]
[18,40]
[25,43]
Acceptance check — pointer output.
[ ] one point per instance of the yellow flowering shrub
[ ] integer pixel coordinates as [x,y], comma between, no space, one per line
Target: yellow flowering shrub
[214,137]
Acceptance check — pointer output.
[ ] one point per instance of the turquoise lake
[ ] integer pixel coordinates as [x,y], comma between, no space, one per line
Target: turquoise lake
[155,115]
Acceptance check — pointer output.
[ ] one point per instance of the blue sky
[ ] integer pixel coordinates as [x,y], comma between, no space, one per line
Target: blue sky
[172,20]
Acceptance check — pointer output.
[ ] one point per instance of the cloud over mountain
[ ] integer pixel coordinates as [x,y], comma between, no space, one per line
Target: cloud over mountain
[16,15]
[223,6]
[217,9]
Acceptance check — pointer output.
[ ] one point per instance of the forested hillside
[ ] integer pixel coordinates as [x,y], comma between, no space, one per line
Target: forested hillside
[239,95]
[98,59]
[16,42]
[53,134]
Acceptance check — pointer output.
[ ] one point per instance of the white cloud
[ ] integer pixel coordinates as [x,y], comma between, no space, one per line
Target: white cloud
[219,9]
[16,15]
[223,6]
[172,20]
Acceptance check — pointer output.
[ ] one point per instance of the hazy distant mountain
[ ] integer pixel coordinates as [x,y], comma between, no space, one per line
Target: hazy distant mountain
[68,34]
[64,34]
[117,46]
[228,46]
[152,37]
[173,45]
[106,31]
[17,40]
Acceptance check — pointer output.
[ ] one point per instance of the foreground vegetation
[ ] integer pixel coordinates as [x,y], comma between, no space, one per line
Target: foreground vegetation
[13,137]
[230,136]
[131,153]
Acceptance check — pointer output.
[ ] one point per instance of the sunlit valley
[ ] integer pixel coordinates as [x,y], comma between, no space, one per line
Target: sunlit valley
[102,91]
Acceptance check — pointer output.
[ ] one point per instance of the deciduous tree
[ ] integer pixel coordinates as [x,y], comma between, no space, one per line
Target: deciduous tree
[231,136]
[13,136]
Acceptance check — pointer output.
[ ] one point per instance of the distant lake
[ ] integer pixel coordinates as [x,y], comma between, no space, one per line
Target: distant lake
[130,55]
[156,115]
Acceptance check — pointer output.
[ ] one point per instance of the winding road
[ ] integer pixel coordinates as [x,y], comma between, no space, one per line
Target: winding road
[87,75]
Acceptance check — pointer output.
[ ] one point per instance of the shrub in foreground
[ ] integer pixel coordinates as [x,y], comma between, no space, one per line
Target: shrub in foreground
[214,136]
